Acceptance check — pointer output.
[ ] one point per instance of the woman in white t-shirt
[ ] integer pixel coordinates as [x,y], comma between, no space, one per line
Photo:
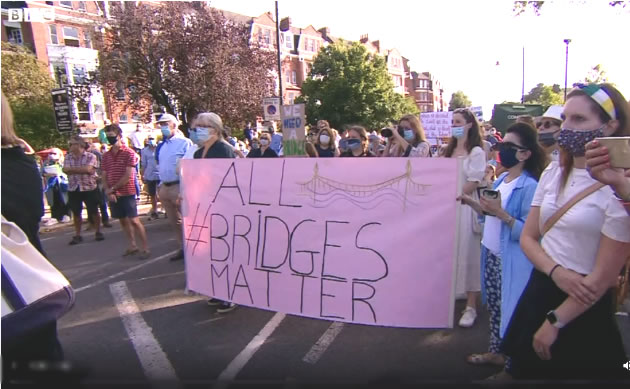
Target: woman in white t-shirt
[465,143]
[564,325]
[505,267]
[411,143]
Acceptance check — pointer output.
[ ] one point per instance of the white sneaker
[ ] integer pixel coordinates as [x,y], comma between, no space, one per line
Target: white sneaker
[468,317]
[65,219]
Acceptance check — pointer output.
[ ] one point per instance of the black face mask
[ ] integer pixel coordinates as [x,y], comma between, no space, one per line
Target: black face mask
[547,139]
[508,157]
[112,140]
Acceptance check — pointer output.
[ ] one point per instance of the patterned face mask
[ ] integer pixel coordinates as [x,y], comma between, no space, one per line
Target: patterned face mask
[574,141]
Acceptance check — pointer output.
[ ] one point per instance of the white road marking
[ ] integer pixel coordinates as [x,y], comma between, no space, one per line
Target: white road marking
[248,352]
[318,349]
[154,361]
[143,264]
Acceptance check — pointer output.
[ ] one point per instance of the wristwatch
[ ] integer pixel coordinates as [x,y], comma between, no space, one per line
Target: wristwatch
[553,320]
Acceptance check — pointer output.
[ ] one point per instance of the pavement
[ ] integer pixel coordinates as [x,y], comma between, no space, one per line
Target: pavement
[134,325]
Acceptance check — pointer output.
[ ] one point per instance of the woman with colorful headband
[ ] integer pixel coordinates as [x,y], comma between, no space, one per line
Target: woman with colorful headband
[564,325]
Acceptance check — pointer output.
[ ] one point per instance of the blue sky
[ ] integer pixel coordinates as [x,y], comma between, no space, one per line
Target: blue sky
[461,41]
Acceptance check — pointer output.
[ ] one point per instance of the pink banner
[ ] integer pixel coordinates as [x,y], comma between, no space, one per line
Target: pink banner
[361,240]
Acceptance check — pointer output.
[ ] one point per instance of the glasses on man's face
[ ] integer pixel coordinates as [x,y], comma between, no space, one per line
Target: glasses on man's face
[509,145]
[546,124]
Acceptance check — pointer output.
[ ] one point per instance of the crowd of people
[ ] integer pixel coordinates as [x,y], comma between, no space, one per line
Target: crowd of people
[544,228]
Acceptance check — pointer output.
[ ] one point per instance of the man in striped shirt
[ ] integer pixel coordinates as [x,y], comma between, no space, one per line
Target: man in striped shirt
[118,179]
[80,166]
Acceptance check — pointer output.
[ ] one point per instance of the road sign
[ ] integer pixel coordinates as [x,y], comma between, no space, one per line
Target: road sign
[271,108]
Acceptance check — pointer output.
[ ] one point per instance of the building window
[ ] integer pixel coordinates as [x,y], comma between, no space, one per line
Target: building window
[14,35]
[305,43]
[79,74]
[291,98]
[267,36]
[83,108]
[293,77]
[88,38]
[136,118]
[53,34]
[122,118]
[312,41]
[60,74]
[120,91]
[99,112]
[288,41]
[71,36]
[66,4]
[82,6]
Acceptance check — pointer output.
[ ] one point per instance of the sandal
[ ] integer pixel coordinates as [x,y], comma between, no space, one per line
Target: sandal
[129,252]
[486,359]
[144,254]
[76,240]
[501,377]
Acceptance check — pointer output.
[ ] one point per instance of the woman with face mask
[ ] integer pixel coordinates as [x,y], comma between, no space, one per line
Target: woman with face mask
[548,129]
[356,142]
[505,267]
[261,149]
[325,144]
[564,325]
[465,143]
[411,143]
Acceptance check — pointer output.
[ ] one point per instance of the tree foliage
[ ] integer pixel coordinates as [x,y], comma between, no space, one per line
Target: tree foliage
[459,100]
[188,58]
[545,95]
[348,85]
[27,84]
[597,75]
[521,7]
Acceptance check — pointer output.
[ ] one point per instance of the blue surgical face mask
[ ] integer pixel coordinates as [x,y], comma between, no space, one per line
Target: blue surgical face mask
[166,131]
[202,134]
[457,132]
[151,142]
[409,135]
[353,143]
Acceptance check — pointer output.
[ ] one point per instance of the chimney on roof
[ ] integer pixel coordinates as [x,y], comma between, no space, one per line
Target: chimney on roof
[364,38]
[285,24]
[325,31]
[377,44]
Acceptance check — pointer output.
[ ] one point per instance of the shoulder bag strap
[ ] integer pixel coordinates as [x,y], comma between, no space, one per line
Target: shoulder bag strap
[576,199]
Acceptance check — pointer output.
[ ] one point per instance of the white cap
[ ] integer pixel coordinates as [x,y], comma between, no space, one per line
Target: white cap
[554,112]
[167,117]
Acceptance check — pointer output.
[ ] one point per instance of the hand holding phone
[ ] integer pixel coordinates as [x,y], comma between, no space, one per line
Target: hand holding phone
[490,202]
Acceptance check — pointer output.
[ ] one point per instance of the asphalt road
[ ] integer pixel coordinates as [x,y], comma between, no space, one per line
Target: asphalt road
[133,324]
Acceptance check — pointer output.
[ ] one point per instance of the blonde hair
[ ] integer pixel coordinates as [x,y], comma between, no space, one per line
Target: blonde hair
[9,138]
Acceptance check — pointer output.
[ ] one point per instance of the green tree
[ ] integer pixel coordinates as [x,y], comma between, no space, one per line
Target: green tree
[459,100]
[349,85]
[521,7]
[27,85]
[188,58]
[545,95]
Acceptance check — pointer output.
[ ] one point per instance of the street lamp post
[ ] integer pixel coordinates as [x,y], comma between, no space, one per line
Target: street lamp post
[279,57]
[566,67]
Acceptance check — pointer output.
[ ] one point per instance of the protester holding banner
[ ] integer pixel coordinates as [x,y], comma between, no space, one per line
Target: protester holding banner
[411,143]
[564,325]
[325,143]
[207,132]
[465,143]
[356,142]
[505,269]
[263,150]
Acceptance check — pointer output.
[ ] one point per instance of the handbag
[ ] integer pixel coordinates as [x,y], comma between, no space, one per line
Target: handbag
[574,200]
[34,292]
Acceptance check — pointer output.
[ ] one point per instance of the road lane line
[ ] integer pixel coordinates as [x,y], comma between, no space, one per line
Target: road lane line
[323,343]
[248,352]
[143,264]
[154,361]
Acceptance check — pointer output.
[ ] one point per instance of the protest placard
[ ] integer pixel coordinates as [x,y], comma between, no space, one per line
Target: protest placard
[293,134]
[361,240]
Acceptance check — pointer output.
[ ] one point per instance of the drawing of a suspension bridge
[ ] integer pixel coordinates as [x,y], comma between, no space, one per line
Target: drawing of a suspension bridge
[325,191]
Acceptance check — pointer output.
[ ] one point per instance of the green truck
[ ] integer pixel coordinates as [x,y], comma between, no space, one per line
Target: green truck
[503,115]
